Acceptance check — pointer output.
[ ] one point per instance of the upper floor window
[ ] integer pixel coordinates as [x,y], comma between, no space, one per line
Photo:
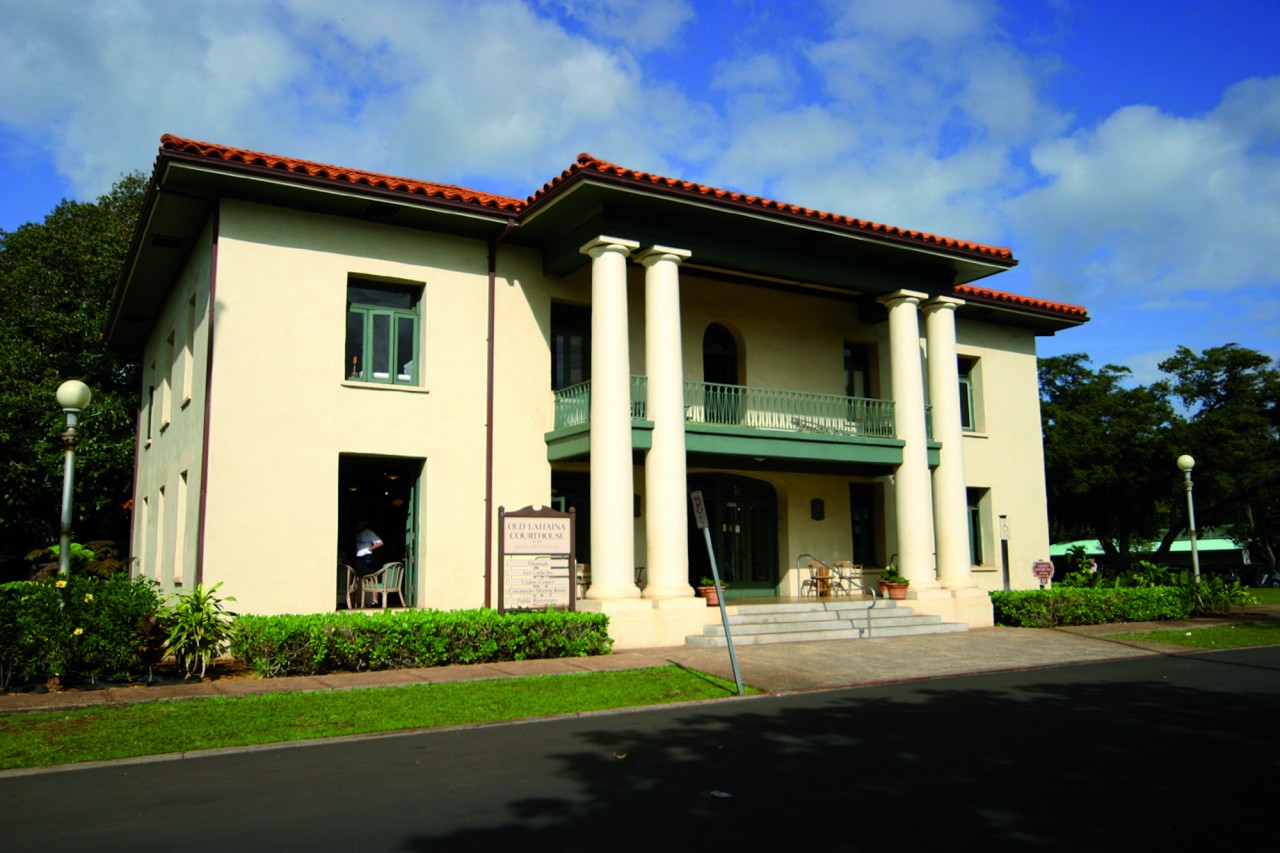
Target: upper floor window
[382,332]
[570,345]
[857,370]
[968,404]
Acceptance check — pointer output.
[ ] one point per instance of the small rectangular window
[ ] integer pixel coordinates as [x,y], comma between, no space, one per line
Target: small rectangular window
[976,497]
[188,350]
[382,333]
[968,409]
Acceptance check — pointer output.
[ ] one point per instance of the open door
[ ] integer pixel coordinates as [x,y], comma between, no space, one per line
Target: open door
[386,492]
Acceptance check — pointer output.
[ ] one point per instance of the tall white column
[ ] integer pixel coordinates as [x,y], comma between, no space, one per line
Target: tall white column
[950,504]
[612,531]
[913,507]
[666,509]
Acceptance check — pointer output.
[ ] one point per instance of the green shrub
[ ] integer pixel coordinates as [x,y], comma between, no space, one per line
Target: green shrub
[1083,606]
[199,628]
[1213,596]
[352,642]
[81,627]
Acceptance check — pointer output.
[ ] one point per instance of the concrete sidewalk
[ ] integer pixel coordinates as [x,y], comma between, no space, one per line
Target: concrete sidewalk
[771,668]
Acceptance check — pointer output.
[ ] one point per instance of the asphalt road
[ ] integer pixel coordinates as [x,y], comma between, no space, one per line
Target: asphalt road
[1170,752]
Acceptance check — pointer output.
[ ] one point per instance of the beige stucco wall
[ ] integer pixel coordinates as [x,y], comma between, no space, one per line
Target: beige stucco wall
[167,488]
[283,412]
[1005,453]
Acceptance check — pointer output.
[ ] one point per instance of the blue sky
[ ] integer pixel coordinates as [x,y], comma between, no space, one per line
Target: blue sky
[1128,151]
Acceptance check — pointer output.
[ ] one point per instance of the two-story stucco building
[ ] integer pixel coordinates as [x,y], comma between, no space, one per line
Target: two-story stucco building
[321,344]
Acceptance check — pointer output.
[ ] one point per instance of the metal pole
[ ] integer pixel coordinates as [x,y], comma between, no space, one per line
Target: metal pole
[700,515]
[1191,520]
[69,438]
[724,615]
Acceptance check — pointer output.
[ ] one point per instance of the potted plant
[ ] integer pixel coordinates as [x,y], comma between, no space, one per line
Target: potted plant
[892,582]
[707,589]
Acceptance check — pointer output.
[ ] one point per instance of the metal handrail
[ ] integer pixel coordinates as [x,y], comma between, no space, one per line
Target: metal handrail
[874,597]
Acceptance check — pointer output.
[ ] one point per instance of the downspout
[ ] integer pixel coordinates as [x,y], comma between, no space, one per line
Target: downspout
[488,416]
[208,394]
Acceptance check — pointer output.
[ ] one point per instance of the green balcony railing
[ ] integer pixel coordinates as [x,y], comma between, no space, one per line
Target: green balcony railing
[747,407]
[791,411]
[573,402]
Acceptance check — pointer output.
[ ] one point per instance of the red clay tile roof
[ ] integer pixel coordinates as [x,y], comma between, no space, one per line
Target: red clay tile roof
[1014,299]
[586,162]
[338,173]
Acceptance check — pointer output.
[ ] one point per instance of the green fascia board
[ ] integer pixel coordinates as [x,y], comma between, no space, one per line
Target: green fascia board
[575,442]
[731,441]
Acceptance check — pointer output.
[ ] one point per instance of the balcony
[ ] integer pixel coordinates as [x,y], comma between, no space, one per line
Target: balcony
[748,421]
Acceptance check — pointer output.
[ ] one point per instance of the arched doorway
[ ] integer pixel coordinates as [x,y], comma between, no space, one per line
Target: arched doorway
[742,515]
[720,373]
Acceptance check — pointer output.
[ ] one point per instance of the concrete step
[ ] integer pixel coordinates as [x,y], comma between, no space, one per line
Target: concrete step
[842,620]
[714,641]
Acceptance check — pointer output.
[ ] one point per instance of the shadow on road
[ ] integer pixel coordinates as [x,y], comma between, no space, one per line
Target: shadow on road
[1127,760]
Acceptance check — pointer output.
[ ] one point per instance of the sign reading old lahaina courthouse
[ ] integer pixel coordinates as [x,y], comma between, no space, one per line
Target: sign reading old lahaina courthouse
[537,560]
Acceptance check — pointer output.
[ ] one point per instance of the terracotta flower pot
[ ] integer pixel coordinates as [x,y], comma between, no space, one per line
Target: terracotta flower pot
[897,591]
[709,593]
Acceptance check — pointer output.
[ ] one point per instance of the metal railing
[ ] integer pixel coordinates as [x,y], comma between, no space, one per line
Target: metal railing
[715,404]
[790,411]
[573,402]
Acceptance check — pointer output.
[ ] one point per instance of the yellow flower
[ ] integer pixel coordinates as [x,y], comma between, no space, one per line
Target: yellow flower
[60,584]
[77,632]
[88,596]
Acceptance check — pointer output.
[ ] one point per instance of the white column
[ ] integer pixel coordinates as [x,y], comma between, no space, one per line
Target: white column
[612,531]
[666,512]
[912,503]
[950,504]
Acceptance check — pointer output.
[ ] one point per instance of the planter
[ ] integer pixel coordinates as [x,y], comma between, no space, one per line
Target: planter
[897,591]
[709,593]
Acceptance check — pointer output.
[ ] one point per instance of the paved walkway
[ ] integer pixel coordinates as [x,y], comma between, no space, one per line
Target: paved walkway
[773,668]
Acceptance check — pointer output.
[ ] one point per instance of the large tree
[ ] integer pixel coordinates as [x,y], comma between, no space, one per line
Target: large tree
[1233,396]
[56,279]
[1107,455]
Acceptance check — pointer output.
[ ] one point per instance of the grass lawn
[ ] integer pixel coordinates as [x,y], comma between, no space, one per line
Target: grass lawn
[1266,595]
[1218,637]
[154,728]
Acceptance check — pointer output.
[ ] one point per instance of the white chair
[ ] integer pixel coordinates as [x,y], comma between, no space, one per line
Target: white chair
[386,581]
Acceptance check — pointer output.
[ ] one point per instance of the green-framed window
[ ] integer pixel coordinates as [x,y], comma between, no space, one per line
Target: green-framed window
[382,333]
[975,499]
[968,409]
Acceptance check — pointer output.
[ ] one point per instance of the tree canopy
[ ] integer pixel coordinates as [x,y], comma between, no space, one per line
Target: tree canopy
[1110,447]
[56,280]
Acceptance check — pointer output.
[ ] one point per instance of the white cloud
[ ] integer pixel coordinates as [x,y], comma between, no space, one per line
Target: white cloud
[642,25]
[1161,203]
[440,90]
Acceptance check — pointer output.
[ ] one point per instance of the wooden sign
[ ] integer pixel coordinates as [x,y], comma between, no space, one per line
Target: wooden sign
[536,559]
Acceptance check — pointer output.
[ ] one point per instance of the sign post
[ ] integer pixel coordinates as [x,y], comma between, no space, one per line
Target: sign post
[1043,570]
[536,559]
[700,513]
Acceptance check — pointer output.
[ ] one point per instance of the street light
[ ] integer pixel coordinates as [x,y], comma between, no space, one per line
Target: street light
[1185,464]
[73,396]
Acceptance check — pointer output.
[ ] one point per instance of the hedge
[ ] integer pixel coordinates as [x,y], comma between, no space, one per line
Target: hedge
[82,627]
[1085,606]
[353,642]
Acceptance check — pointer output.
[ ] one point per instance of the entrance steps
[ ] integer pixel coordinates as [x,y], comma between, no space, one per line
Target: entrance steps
[842,619]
